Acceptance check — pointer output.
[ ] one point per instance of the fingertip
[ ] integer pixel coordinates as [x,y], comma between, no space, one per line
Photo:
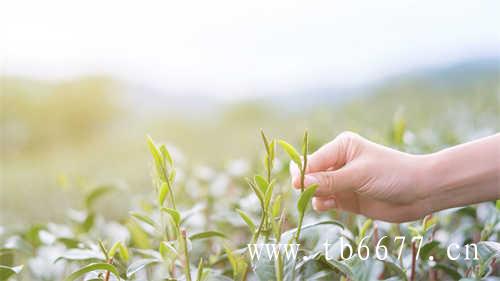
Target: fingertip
[321,205]
[296,182]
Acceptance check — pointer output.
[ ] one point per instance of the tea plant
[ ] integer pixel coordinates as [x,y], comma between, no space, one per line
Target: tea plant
[188,231]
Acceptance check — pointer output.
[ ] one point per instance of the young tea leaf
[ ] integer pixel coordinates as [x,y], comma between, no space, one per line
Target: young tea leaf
[268,195]
[305,197]
[97,193]
[139,265]
[276,206]
[162,194]
[6,271]
[167,250]
[122,250]
[292,153]
[93,267]
[166,154]
[176,216]
[247,220]
[160,169]
[257,191]
[207,234]
[261,183]
[143,218]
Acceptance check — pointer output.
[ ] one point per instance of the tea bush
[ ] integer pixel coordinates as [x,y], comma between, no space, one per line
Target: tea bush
[201,225]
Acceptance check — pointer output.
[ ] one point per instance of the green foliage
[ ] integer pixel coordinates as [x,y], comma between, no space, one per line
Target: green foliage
[163,239]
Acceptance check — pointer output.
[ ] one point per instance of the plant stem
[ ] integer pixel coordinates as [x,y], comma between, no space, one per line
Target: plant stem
[259,230]
[186,255]
[299,227]
[413,261]
[106,277]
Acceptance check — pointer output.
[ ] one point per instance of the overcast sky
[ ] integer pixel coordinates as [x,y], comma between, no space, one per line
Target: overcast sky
[235,48]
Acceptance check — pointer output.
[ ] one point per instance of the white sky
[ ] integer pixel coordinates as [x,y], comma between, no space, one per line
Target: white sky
[235,48]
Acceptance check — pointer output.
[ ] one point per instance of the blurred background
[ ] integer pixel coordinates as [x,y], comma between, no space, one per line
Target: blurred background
[82,84]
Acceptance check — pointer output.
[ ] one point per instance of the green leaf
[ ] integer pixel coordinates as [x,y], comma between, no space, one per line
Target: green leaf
[93,267]
[257,192]
[207,234]
[118,246]
[364,228]
[305,197]
[498,205]
[276,206]
[80,255]
[426,250]
[393,265]
[199,275]
[160,169]
[292,153]
[174,214]
[143,218]
[139,265]
[167,250]
[269,194]
[6,271]
[166,154]
[96,193]
[452,272]
[163,193]
[247,220]
[316,224]
[261,183]
[265,140]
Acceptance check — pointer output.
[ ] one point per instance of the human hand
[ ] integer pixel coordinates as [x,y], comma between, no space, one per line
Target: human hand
[359,176]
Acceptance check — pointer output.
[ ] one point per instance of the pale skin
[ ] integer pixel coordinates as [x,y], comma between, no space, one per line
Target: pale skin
[362,177]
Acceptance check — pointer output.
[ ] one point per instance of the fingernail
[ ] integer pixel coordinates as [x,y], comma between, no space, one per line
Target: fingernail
[310,180]
[330,203]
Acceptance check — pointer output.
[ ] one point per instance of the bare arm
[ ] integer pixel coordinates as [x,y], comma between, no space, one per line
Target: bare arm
[463,174]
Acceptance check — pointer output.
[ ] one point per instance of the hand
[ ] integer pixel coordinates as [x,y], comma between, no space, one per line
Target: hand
[362,177]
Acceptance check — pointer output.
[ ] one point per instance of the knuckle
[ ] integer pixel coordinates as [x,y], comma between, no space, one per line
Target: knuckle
[327,180]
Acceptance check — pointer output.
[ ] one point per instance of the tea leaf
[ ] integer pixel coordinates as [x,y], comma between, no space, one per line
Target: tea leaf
[207,234]
[143,218]
[167,250]
[305,197]
[257,192]
[176,216]
[166,154]
[247,220]
[171,176]
[96,193]
[118,246]
[199,274]
[276,206]
[160,169]
[427,248]
[292,153]
[80,255]
[364,228]
[93,267]
[139,265]
[269,194]
[265,140]
[6,271]
[261,183]
[164,189]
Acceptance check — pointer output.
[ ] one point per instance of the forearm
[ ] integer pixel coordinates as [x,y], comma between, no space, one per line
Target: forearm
[463,174]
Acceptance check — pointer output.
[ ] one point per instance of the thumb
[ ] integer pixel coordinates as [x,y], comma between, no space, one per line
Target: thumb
[330,182]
